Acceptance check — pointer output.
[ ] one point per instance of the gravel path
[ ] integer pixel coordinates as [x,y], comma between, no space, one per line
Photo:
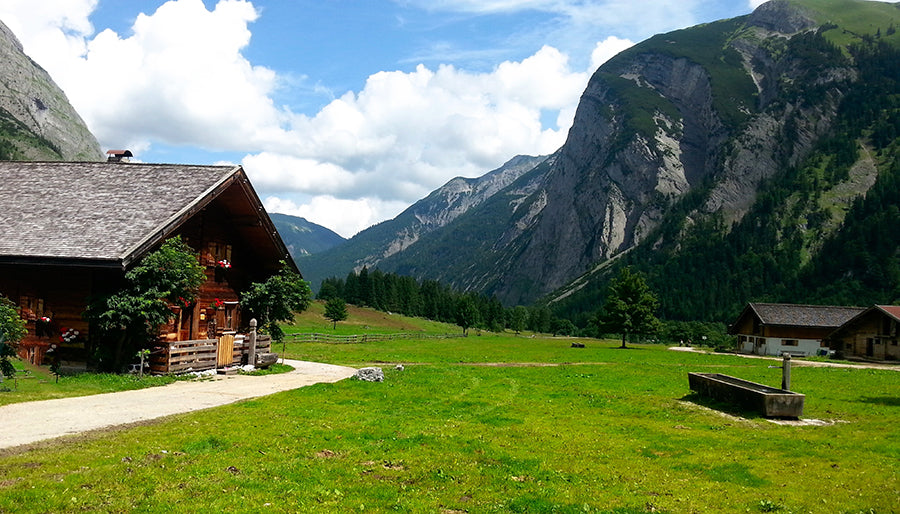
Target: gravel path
[796,361]
[25,423]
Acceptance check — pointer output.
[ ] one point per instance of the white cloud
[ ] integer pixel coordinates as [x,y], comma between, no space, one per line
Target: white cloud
[615,16]
[607,49]
[346,217]
[404,134]
[180,78]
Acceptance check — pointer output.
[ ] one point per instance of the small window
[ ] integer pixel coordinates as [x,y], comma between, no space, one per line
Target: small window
[789,342]
[216,253]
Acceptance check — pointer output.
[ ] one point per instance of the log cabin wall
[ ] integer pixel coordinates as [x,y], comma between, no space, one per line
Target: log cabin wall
[229,269]
[873,336]
[52,300]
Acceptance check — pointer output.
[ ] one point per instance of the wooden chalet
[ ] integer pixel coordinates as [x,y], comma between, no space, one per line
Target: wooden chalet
[70,230]
[871,334]
[778,328]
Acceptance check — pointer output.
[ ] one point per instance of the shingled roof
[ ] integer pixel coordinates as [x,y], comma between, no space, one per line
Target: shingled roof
[785,314]
[100,213]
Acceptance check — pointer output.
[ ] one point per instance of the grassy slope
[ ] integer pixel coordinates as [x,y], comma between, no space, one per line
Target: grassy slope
[364,321]
[611,431]
[855,19]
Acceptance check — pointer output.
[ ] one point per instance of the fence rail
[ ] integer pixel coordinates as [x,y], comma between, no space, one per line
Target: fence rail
[201,354]
[361,338]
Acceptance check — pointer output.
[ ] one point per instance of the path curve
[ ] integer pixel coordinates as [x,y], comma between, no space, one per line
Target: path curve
[30,422]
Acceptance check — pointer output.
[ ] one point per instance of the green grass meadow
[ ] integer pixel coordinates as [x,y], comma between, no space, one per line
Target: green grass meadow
[467,426]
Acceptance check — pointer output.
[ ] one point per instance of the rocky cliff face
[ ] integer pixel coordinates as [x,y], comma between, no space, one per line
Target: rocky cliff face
[36,120]
[652,127]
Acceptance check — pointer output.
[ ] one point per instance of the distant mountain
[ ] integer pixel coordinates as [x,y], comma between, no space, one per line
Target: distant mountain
[728,162]
[303,237]
[36,120]
[377,243]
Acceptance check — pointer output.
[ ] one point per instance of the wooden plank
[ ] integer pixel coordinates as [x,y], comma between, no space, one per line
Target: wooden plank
[226,350]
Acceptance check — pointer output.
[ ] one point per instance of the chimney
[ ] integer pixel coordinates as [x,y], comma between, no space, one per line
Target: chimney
[118,155]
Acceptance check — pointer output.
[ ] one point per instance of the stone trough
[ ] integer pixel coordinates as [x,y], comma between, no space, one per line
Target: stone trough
[771,402]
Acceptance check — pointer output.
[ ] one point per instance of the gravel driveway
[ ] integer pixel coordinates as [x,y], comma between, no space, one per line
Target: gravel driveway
[25,423]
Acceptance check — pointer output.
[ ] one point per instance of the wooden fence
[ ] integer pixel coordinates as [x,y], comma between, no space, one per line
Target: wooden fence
[361,338]
[202,354]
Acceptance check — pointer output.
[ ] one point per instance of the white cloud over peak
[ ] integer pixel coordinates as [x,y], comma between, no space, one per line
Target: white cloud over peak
[181,79]
[404,134]
[607,49]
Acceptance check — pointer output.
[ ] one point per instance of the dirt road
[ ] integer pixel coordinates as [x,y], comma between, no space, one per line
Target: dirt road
[25,423]
[795,362]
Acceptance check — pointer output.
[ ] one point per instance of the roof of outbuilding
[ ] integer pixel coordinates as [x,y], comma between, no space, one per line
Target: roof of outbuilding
[891,310]
[786,314]
[95,210]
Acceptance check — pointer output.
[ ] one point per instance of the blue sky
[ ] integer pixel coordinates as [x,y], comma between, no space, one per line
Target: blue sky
[344,112]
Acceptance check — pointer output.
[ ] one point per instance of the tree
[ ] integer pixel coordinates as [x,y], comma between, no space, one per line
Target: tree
[129,319]
[276,300]
[336,310]
[518,318]
[466,313]
[561,326]
[328,290]
[630,306]
[12,330]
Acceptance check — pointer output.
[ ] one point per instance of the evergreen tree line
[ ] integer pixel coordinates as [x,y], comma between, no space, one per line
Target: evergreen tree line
[430,299]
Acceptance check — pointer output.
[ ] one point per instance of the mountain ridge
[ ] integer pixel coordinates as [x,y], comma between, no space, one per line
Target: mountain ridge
[443,206]
[303,237]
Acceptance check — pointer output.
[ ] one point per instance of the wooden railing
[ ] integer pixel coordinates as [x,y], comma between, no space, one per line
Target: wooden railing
[201,355]
[182,356]
[361,338]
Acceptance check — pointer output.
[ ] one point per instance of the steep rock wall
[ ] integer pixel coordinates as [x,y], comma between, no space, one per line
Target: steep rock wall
[38,119]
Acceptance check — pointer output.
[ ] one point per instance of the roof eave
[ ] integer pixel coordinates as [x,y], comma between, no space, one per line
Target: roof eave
[68,262]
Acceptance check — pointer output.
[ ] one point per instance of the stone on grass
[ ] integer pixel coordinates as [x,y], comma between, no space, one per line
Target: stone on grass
[370,374]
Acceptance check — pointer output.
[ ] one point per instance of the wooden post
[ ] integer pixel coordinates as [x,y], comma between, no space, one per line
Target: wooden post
[251,355]
[786,372]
